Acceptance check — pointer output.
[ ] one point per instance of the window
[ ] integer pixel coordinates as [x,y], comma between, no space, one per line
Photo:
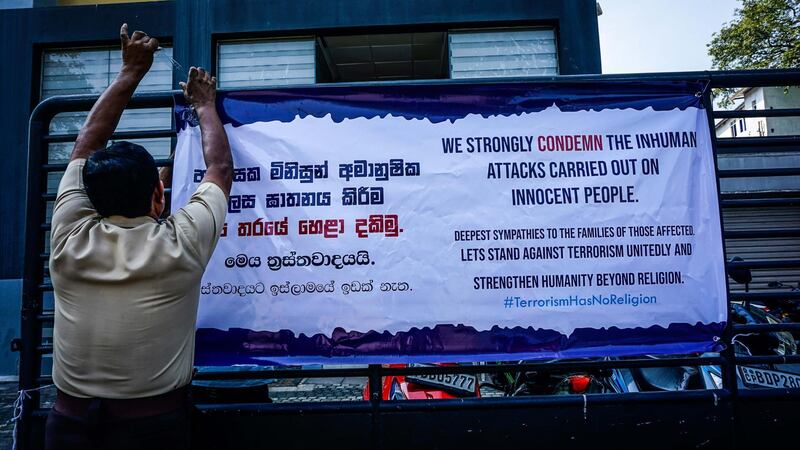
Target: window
[742,125]
[264,63]
[503,53]
[753,105]
[389,56]
[375,57]
[90,71]
[733,129]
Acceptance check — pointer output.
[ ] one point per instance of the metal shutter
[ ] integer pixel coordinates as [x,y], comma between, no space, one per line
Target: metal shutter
[762,218]
[767,249]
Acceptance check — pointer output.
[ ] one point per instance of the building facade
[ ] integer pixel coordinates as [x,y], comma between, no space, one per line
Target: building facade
[760,98]
[58,47]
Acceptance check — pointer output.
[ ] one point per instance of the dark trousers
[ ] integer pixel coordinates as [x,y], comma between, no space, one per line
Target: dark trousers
[97,429]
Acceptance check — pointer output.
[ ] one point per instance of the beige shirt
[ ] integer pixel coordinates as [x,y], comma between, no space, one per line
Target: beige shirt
[126,292]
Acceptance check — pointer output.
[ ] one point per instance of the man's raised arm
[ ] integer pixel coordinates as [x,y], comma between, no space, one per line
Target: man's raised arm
[137,57]
[200,90]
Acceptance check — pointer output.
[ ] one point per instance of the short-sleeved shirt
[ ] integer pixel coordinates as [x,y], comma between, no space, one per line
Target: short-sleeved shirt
[126,292]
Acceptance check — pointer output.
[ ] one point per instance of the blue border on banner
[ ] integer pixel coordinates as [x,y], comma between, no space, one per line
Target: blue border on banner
[441,102]
[449,343]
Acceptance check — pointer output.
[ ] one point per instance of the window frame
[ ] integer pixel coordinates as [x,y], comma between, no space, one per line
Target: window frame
[37,76]
[216,43]
[446,28]
[496,29]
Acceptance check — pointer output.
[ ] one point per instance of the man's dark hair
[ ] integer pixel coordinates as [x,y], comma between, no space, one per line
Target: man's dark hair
[120,180]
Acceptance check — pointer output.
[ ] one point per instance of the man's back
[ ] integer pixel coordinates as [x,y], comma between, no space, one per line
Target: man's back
[126,283]
[126,292]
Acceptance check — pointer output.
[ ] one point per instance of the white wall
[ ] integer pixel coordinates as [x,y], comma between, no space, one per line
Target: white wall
[778,98]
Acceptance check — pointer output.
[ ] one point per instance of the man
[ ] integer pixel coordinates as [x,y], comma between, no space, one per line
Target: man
[127,283]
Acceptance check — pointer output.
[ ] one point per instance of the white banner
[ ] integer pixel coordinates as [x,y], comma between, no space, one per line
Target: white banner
[547,220]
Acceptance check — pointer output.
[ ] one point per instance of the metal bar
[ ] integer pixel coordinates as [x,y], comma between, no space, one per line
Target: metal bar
[479,403]
[789,359]
[375,387]
[754,78]
[30,365]
[266,409]
[52,196]
[523,402]
[728,365]
[765,296]
[768,195]
[565,366]
[775,172]
[756,145]
[471,369]
[759,141]
[120,135]
[564,401]
[46,317]
[60,167]
[779,264]
[745,113]
[760,203]
[697,396]
[282,374]
[49,107]
[766,327]
[757,150]
[717,79]
[761,234]
[655,398]
[769,394]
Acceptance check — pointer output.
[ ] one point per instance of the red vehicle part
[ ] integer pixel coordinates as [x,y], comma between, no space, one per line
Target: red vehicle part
[396,387]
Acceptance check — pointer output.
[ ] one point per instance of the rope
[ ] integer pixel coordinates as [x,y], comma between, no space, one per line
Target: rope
[22,395]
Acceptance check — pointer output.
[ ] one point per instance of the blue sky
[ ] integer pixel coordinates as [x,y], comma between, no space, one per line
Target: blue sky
[659,35]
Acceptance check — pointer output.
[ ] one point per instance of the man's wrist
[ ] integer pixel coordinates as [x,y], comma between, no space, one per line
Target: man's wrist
[132,73]
[204,108]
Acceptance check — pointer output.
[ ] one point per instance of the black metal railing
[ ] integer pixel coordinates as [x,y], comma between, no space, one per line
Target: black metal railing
[35,317]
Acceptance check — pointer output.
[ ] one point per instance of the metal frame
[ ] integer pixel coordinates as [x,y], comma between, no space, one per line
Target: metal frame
[34,317]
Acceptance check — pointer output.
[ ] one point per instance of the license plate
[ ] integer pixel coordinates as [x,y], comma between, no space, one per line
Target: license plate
[454,381]
[768,378]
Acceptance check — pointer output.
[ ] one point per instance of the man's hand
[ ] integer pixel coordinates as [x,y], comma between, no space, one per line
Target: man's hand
[137,57]
[200,89]
[137,51]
